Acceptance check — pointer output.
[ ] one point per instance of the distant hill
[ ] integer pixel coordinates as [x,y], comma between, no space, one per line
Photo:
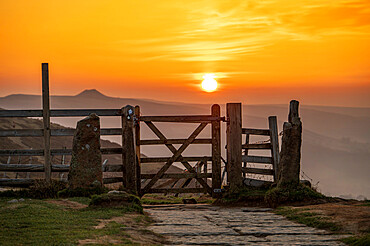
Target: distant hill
[336,140]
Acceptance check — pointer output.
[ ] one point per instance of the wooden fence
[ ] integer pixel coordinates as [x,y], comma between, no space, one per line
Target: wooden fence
[46,133]
[131,121]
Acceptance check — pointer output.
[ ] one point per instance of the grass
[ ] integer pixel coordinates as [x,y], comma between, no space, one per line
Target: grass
[38,222]
[82,200]
[307,218]
[366,203]
[153,199]
[245,194]
[363,240]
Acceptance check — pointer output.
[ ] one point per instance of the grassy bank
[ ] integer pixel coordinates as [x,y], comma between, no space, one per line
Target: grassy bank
[67,222]
[308,218]
[363,240]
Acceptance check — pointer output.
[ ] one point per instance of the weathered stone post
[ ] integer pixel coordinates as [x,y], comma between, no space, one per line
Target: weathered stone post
[290,155]
[86,164]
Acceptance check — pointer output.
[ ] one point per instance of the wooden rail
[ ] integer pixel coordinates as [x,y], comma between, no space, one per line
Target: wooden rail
[178,175]
[53,132]
[40,152]
[29,182]
[54,168]
[263,132]
[257,159]
[60,112]
[178,190]
[256,146]
[182,118]
[174,141]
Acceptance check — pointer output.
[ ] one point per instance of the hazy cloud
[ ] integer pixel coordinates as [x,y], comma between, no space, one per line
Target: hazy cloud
[227,30]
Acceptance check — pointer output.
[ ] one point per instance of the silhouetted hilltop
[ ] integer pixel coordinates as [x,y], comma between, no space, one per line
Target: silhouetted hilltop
[91,93]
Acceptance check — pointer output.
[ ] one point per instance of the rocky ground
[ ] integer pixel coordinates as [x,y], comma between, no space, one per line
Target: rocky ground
[212,225]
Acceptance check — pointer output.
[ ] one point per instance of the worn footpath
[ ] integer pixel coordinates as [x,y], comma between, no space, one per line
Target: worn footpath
[211,225]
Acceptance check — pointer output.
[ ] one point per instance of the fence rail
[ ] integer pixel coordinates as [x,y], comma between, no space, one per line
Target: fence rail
[40,152]
[60,112]
[53,132]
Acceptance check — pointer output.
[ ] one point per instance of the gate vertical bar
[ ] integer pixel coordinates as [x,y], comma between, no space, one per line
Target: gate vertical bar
[137,148]
[128,149]
[246,153]
[234,145]
[274,146]
[46,119]
[216,150]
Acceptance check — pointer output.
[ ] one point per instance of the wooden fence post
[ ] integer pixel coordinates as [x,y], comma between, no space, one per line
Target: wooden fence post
[274,145]
[234,145]
[128,149]
[216,150]
[137,148]
[46,120]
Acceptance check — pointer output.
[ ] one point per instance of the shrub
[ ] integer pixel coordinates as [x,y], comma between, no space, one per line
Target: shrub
[245,194]
[40,189]
[121,199]
[82,192]
[291,193]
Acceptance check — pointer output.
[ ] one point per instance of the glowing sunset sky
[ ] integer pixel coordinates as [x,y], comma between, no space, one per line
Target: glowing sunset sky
[260,51]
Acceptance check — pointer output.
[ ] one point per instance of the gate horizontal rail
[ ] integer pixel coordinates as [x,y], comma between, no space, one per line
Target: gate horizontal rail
[179,159]
[174,141]
[178,190]
[182,118]
[178,175]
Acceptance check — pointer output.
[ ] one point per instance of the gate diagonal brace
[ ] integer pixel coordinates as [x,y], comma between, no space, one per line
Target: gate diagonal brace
[176,155]
[174,150]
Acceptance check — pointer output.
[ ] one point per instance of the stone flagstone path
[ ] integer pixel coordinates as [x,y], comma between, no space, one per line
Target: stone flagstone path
[211,225]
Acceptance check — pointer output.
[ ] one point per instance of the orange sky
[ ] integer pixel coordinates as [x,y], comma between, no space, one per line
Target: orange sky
[260,51]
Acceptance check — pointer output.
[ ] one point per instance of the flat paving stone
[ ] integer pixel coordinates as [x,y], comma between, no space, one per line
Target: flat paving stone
[211,225]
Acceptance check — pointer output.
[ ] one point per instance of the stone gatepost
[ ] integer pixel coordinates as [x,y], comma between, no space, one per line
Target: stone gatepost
[86,164]
[290,154]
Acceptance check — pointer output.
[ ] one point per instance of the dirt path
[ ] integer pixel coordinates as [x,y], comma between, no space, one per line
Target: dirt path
[210,225]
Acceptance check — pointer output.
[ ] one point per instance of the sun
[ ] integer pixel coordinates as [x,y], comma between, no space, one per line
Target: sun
[209,83]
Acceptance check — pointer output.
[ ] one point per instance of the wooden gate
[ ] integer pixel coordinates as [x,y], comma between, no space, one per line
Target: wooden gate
[235,170]
[132,164]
